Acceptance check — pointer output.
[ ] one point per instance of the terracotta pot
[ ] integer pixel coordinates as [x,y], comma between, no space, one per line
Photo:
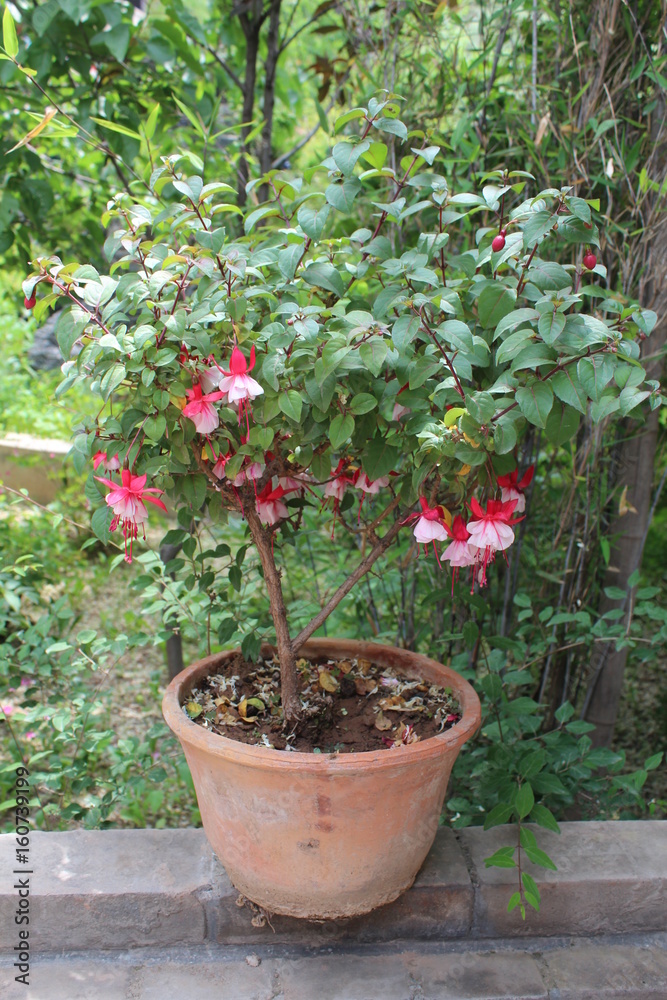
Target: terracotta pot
[322,835]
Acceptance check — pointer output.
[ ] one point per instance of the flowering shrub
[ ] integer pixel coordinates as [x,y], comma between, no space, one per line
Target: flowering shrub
[364,332]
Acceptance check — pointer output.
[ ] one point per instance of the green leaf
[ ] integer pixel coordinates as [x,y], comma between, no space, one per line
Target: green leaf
[100,522]
[348,116]
[9,39]
[112,379]
[380,458]
[114,127]
[392,125]
[289,258]
[544,817]
[535,402]
[569,389]
[311,221]
[481,406]
[494,304]
[539,857]
[525,800]
[321,392]
[502,858]
[504,435]
[513,320]
[499,814]
[363,402]
[551,325]
[341,196]
[341,430]
[373,353]
[290,404]
[651,763]
[594,374]
[562,423]
[346,154]
[325,276]
[537,226]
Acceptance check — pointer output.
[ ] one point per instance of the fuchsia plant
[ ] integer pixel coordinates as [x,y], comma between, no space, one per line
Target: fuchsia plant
[403,339]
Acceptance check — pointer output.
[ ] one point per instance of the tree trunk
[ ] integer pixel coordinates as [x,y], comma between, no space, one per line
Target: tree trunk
[272,55]
[636,467]
[289,687]
[251,29]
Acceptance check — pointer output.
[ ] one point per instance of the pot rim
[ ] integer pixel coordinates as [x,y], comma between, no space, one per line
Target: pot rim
[188,732]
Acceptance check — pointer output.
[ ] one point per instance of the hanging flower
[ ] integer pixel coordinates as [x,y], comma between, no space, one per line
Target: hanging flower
[210,378]
[236,381]
[127,503]
[371,486]
[110,464]
[459,552]
[490,531]
[239,386]
[513,490]
[431,525]
[200,409]
[270,506]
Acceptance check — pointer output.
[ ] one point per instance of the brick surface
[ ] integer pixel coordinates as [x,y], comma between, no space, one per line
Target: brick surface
[73,980]
[346,977]
[210,981]
[439,905]
[592,971]
[110,889]
[474,976]
[611,879]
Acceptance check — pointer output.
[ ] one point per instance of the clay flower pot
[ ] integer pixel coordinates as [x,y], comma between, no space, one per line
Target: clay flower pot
[322,835]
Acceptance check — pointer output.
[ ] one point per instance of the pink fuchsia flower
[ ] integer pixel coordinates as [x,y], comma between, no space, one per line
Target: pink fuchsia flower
[240,386]
[200,409]
[30,735]
[127,503]
[458,552]
[236,382]
[270,506]
[110,464]
[255,471]
[490,531]
[371,486]
[513,490]
[210,377]
[335,489]
[431,525]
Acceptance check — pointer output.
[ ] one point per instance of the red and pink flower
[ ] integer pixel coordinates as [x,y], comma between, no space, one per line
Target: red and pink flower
[490,531]
[127,502]
[109,464]
[200,409]
[270,506]
[513,490]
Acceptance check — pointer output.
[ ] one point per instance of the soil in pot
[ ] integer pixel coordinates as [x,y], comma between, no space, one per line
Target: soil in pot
[351,705]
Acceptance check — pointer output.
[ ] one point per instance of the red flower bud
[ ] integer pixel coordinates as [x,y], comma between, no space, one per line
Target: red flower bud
[498,243]
[590,260]
[31,302]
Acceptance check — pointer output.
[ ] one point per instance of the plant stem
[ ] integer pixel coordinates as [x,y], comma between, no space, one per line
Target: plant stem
[289,687]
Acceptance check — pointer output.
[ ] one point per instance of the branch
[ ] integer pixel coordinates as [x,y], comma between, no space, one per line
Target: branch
[322,9]
[218,58]
[284,157]
[347,586]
